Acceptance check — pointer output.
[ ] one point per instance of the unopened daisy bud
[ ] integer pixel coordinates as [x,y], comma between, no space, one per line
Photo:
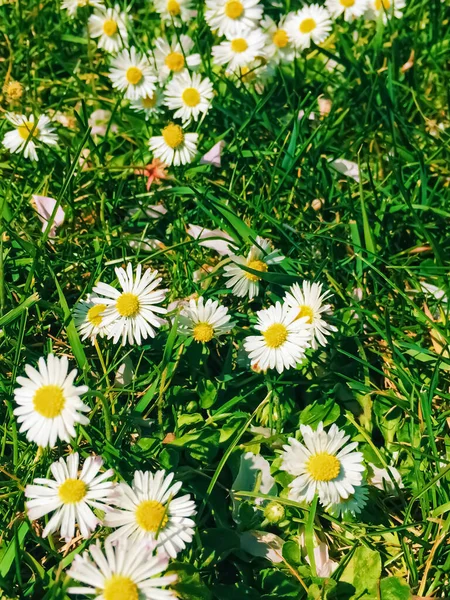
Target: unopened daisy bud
[274,512]
[316,204]
[13,90]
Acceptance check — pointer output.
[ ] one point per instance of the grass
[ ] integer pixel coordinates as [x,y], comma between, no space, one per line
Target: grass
[384,375]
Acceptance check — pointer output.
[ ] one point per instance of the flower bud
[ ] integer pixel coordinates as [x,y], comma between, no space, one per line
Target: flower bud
[274,512]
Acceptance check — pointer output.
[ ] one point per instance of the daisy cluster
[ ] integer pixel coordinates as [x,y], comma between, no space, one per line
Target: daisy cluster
[285,330]
[166,77]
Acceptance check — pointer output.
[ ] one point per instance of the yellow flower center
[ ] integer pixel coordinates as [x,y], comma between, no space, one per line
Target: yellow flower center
[173,8]
[134,75]
[119,587]
[191,97]
[380,4]
[239,45]
[256,265]
[234,9]
[347,3]
[305,311]
[151,515]
[14,90]
[49,401]
[203,332]
[275,335]
[307,25]
[127,305]
[280,38]
[26,129]
[175,61]
[72,491]
[323,466]
[94,314]
[173,135]
[149,101]
[109,27]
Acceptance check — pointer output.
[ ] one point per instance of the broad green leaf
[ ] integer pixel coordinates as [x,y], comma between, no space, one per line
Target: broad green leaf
[394,588]
[363,573]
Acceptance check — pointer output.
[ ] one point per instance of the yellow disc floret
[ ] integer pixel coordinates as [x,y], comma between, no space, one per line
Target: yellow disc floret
[28,129]
[382,4]
[275,335]
[307,25]
[94,314]
[119,587]
[109,27]
[203,332]
[127,305]
[151,515]
[323,466]
[49,401]
[191,97]
[239,45]
[280,38]
[72,491]
[173,8]
[173,135]
[256,265]
[347,3]
[134,75]
[149,101]
[175,61]
[234,9]
[305,311]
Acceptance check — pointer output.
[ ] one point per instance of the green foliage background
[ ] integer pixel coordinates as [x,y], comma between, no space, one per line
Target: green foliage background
[383,377]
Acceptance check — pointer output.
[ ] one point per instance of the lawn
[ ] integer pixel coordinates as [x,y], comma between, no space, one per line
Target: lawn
[266,417]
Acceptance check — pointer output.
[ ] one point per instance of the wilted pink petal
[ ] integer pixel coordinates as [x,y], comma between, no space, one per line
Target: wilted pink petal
[99,120]
[222,245]
[325,105]
[212,157]
[45,207]
[346,167]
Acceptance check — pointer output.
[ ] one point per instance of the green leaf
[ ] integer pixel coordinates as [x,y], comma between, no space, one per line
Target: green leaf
[394,588]
[189,585]
[203,445]
[363,573]
[291,553]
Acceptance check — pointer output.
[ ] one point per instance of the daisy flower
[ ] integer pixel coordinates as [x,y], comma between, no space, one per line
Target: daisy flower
[324,464]
[110,27]
[239,50]
[310,24]
[352,505]
[88,317]
[175,12]
[49,403]
[233,17]
[173,58]
[385,9]
[29,134]
[256,74]
[204,320]
[174,146]
[72,5]
[282,341]
[132,74]
[189,95]
[70,495]
[309,300]
[149,105]
[125,571]
[130,313]
[148,510]
[349,9]
[260,257]
[278,45]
